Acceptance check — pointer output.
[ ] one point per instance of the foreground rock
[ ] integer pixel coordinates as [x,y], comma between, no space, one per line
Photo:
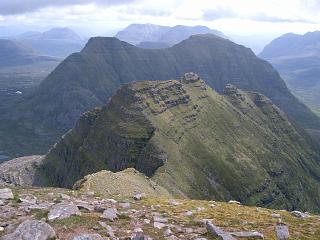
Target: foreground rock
[21,171]
[6,193]
[32,230]
[63,210]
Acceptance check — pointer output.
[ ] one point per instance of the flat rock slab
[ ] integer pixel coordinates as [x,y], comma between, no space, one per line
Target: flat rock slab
[63,210]
[6,194]
[32,229]
[88,237]
[250,235]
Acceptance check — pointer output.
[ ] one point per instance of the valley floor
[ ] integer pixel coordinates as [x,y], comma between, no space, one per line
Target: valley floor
[149,217]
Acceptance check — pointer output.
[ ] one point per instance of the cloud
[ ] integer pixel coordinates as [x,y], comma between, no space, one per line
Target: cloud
[218,13]
[262,17]
[13,7]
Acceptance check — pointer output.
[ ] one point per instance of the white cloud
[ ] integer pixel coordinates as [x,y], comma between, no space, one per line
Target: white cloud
[234,16]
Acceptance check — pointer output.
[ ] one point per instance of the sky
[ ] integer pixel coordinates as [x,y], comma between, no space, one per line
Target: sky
[106,17]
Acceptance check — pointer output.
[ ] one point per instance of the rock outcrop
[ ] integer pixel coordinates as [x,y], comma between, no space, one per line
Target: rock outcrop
[21,171]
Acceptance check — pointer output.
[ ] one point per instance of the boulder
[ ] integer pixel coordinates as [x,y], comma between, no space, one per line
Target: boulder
[6,194]
[282,232]
[110,214]
[63,210]
[32,229]
[300,214]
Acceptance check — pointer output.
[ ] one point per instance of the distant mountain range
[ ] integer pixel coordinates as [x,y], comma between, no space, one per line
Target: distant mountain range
[58,42]
[156,36]
[87,79]
[297,57]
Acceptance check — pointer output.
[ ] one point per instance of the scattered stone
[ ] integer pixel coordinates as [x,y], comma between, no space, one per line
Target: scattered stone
[140,236]
[160,219]
[109,229]
[282,232]
[300,214]
[189,214]
[63,210]
[85,206]
[251,235]
[28,199]
[32,229]
[200,209]
[6,194]
[65,196]
[219,233]
[139,196]
[146,221]
[110,200]
[159,225]
[168,232]
[173,202]
[41,206]
[125,205]
[88,237]
[275,215]
[1,229]
[110,214]
[234,202]
[1,203]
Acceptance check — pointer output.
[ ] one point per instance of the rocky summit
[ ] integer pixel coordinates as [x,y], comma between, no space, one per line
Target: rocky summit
[193,142]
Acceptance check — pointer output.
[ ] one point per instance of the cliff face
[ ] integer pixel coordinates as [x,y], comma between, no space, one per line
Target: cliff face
[87,79]
[194,142]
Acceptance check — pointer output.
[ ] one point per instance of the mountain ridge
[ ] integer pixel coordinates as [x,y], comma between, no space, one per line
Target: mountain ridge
[87,79]
[160,128]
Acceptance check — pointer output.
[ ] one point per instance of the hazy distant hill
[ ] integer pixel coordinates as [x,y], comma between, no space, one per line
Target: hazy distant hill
[58,42]
[139,34]
[297,57]
[87,79]
[153,45]
[13,53]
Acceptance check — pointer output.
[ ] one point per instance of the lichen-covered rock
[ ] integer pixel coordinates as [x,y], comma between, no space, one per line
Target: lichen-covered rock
[32,230]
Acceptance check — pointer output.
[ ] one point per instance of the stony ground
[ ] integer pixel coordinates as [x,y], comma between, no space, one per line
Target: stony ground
[65,214]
